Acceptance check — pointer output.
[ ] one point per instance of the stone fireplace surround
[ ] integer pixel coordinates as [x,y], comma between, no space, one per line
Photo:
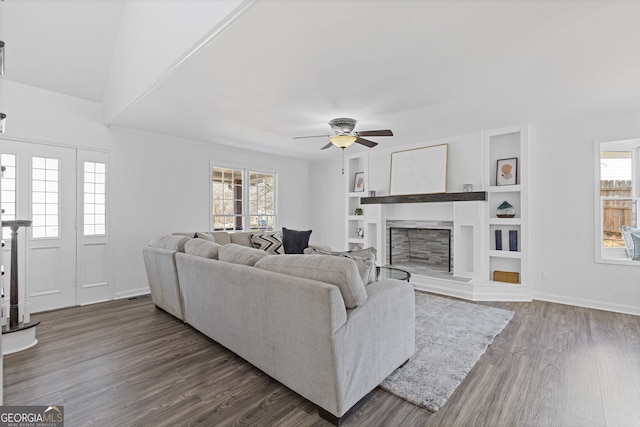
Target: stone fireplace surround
[423,249]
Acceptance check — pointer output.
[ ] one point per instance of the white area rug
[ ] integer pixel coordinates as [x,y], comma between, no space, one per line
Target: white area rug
[451,336]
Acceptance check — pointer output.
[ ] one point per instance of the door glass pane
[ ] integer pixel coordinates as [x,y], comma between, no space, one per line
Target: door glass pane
[94,199]
[8,188]
[45,187]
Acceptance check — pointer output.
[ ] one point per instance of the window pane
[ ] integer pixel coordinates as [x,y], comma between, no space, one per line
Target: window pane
[94,200]
[616,191]
[44,197]
[8,188]
[227,198]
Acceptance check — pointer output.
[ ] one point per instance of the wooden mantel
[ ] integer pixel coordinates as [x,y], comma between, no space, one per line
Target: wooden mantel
[426,198]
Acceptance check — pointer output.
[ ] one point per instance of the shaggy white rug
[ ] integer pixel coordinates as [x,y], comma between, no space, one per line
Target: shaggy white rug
[451,336]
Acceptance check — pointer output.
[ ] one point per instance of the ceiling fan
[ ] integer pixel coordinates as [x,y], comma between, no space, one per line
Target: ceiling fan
[344,136]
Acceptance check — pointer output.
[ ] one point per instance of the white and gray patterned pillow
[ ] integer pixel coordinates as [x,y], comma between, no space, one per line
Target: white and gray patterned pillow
[628,241]
[635,240]
[270,242]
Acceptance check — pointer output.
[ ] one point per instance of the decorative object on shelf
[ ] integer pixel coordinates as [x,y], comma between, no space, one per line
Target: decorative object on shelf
[358,182]
[358,211]
[498,240]
[3,118]
[506,276]
[360,233]
[505,210]
[467,188]
[372,193]
[419,171]
[513,240]
[507,171]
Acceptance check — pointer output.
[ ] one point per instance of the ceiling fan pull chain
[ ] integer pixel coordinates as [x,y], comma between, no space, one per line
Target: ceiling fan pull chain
[342,149]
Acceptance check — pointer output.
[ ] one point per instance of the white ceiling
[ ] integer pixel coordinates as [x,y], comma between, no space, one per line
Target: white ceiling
[424,69]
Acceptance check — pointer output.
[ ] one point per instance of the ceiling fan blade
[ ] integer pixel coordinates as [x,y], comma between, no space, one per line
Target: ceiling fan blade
[385,132]
[328,146]
[314,136]
[366,142]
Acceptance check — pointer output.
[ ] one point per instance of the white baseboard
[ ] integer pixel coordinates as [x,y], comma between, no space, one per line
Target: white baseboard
[580,302]
[133,293]
[472,291]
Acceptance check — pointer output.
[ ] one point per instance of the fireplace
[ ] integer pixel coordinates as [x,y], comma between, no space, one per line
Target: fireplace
[420,246]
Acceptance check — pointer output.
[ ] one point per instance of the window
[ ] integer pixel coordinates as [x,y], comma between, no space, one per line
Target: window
[242,199]
[44,198]
[618,190]
[94,200]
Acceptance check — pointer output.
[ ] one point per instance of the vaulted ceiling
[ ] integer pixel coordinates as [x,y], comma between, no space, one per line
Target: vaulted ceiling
[284,68]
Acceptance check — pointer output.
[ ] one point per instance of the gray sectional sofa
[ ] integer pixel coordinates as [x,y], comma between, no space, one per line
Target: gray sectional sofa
[309,321]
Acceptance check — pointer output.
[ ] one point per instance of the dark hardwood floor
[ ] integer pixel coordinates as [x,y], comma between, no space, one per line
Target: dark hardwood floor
[124,363]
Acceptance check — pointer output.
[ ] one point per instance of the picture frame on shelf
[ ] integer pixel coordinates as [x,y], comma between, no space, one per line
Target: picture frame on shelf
[358,182]
[507,171]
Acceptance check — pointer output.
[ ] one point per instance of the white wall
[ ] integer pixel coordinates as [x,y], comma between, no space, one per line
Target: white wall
[561,208]
[562,219]
[160,185]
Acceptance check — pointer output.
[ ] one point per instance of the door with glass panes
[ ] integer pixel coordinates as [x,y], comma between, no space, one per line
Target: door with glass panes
[48,185]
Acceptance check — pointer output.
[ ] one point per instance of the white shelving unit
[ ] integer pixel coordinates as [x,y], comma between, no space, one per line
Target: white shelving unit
[355,164]
[503,144]
[370,220]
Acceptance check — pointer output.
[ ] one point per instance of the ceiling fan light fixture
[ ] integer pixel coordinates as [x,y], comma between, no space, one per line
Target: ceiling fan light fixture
[343,141]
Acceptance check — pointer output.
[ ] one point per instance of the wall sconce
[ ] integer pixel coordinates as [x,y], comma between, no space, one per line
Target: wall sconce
[3,116]
[1,58]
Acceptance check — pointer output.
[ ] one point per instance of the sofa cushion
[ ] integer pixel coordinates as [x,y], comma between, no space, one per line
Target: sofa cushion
[294,241]
[338,271]
[270,242]
[170,242]
[220,237]
[241,238]
[365,260]
[202,247]
[238,254]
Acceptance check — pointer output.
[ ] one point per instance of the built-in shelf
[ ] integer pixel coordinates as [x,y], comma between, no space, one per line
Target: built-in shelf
[426,198]
[505,221]
[505,254]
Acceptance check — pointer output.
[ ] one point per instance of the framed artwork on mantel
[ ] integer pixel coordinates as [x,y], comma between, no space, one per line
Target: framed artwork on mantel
[419,171]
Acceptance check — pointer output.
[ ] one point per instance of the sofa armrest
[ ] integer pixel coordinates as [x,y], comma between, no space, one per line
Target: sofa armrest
[377,338]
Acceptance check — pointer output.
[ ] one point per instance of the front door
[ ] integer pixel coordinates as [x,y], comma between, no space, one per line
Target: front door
[44,181]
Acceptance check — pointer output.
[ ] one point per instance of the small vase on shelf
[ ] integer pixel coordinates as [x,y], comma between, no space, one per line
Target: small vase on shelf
[505,210]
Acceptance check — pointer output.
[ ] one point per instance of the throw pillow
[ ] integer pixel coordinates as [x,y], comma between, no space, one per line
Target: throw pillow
[238,254]
[294,241]
[635,239]
[269,242]
[337,271]
[365,260]
[202,247]
[626,235]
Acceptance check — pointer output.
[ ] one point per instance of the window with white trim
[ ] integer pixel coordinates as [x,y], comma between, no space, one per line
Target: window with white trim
[242,199]
[618,193]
